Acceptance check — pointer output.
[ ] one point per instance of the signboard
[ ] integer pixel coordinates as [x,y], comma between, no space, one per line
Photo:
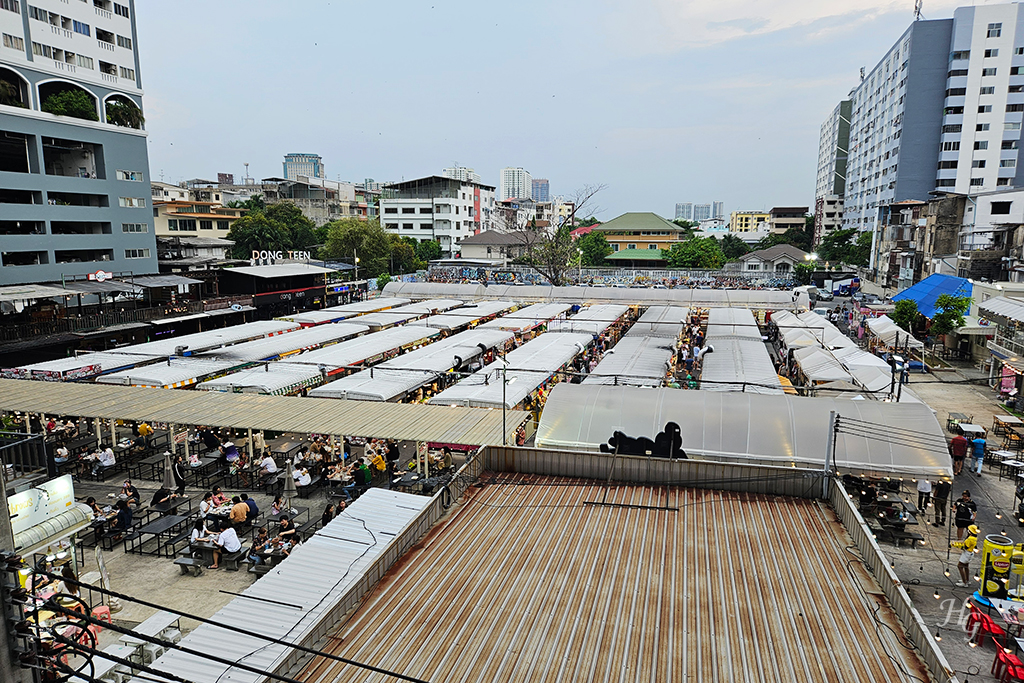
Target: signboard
[181,437]
[63,375]
[36,505]
[266,258]
[15,373]
[100,275]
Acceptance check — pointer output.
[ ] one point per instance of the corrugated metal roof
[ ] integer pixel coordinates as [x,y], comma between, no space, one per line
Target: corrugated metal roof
[276,378]
[355,351]
[660,321]
[344,311]
[593,320]
[528,317]
[309,583]
[174,373]
[528,582]
[398,376]
[204,341]
[284,344]
[160,280]
[29,292]
[412,422]
[1003,307]
[401,314]
[465,315]
[281,270]
[728,426]
[108,362]
[635,361]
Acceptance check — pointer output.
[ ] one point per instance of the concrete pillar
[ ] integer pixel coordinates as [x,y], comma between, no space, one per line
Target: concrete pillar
[96,429]
[113,432]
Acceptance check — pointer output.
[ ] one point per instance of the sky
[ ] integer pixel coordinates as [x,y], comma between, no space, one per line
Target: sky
[662,101]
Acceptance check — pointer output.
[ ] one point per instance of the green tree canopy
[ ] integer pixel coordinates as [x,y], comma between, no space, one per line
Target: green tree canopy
[950,312]
[382,280]
[256,232]
[686,224]
[696,252]
[300,229]
[123,112]
[594,247]
[904,314]
[846,246]
[802,272]
[733,247]
[585,222]
[73,102]
[253,203]
[428,251]
[349,238]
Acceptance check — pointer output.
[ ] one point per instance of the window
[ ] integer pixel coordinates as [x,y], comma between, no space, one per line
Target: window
[989,90]
[956,72]
[1011,125]
[132,202]
[1015,88]
[992,53]
[134,227]
[83,61]
[1009,144]
[136,176]
[1019,51]
[994,31]
[950,146]
[981,127]
[978,163]
[988,72]
[977,181]
[753,266]
[407,226]
[391,226]
[124,42]
[408,209]
[81,28]
[956,92]
[223,225]
[985,109]
[38,13]
[1000,208]
[954,128]
[206,225]
[652,246]
[945,182]
[11,6]
[1015,107]
[961,54]
[1003,181]
[390,209]
[981,144]
[947,164]
[426,209]
[1007,163]
[40,50]
[953,110]
[1015,71]
[136,253]
[127,73]
[14,42]
[121,10]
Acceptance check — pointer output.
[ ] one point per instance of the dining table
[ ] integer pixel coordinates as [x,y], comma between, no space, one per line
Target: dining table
[971,430]
[1001,422]
[161,531]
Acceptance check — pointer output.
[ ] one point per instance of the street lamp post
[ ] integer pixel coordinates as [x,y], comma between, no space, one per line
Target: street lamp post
[580,279]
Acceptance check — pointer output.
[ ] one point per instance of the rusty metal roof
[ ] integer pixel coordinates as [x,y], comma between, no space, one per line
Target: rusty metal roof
[413,422]
[529,582]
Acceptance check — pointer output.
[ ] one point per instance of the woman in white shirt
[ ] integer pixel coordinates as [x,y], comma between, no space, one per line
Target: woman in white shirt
[205,505]
[199,532]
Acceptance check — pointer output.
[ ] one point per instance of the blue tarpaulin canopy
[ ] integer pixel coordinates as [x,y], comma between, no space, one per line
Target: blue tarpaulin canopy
[926,292]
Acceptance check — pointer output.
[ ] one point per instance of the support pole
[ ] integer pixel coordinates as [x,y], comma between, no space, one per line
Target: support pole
[248,434]
[97,430]
[186,444]
[113,432]
[830,451]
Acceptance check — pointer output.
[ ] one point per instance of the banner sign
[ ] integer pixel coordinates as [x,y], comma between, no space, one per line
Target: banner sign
[36,505]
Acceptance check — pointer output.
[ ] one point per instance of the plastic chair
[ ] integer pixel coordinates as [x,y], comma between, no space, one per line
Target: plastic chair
[1012,674]
[101,612]
[981,625]
[1003,661]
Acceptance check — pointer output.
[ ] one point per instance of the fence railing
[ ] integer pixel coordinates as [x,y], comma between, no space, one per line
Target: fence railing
[22,454]
[92,321]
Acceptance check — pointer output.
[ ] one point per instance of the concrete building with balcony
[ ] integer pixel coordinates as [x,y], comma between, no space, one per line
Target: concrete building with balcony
[830,185]
[515,183]
[896,257]
[74,186]
[991,237]
[198,219]
[748,221]
[435,208]
[782,218]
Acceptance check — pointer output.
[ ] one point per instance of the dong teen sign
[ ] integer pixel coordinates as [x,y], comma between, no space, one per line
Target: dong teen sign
[268,257]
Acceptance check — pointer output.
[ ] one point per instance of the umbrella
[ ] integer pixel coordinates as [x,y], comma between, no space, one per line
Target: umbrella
[289,486]
[169,482]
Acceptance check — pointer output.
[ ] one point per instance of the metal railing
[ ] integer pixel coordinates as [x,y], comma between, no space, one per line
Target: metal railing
[22,454]
[92,321]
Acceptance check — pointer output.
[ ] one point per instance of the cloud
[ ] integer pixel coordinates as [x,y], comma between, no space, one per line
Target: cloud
[666,26]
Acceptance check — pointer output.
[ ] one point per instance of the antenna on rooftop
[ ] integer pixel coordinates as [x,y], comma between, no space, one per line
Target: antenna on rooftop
[917,9]
[862,73]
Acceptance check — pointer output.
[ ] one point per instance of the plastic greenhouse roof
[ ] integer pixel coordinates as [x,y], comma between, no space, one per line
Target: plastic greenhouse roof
[926,292]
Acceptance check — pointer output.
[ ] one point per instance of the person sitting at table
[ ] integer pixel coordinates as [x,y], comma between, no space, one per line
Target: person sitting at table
[123,521]
[286,530]
[139,444]
[277,506]
[70,429]
[206,504]
[129,493]
[327,516]
[254,510]
[239,511]
[199,531]
[50,426]
[227,542]
[302,477]
[61,455]
[228,452]
[68,584]
[209,439]
[97,511]
[260,544]
[145,431]
[162,495]
[219,497]
[267,465]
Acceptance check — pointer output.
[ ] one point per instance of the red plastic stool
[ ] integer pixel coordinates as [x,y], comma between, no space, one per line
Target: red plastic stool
[101,612]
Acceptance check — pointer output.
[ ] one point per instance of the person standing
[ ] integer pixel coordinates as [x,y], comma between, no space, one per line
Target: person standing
[968,545]
[941,494]
[978,446]
[965,512]
[924,494]
[958,451]
[179,475]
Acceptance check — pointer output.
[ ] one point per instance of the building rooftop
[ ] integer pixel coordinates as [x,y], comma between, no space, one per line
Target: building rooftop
[489,238]
[552,579]
[638,221]
[772,253]
[635,255]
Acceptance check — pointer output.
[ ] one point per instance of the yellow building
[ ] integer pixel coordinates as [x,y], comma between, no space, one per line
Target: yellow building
[747,221]
[201,219]
[641,231]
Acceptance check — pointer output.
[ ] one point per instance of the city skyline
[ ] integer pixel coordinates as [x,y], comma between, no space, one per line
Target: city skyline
[783,54]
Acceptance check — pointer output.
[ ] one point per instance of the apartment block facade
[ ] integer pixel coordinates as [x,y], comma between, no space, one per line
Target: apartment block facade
[748,221]
[298,164]
[435,208]
[74,188]
[684,211]
[515,183]
[541,191]
[830,185]
[461,173]
[701,212]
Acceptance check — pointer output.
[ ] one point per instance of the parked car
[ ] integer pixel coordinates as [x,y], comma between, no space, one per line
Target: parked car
[824,295]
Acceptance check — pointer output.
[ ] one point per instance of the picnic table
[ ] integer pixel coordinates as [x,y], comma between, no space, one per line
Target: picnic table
[171,506]
[1010,467]
[285,446]
[154,464]
[1001,422]
[971,430]
[152,627]
[954,419]
[299,512]
[163,530]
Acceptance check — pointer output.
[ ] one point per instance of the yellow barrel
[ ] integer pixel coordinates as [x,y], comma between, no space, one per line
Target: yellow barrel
[996,561]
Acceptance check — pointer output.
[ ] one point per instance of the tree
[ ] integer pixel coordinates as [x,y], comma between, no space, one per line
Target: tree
[255,232]
[841,246]
[253,203]
[905,313]
[594,247]
[733,247]
[428,251]
[802,272]
[124,113]
[403,255]
[696,252]
[950,312]
[351,238]
[300,229]
[73,102]
[10,94]
[382,280]
[686,224]
[587,222]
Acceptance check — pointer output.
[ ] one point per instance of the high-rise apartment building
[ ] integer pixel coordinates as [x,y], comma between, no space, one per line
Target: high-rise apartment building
[515,183]
[461,173]
[895,123]
[830,185]
[684,211]
[308,165]
[718,209]
[74,188]
[541,190]
[701,212]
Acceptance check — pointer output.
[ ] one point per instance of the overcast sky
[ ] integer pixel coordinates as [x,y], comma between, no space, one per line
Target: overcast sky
[664,101]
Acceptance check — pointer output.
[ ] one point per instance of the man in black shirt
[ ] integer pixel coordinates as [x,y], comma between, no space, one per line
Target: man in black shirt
[941,494]
[965,511]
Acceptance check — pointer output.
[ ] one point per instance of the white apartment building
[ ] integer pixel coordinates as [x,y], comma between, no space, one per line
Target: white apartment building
[718,210]
[684,211]
[984,100]
[701,212]
[461,173]
[445,210]
[515,183]
[830,183]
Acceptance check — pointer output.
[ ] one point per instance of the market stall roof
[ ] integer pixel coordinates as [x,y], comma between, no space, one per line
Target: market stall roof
[97,287]
[172,374]
[782,430]
[592,320]
[277,379]
[891,334]
[78,367]
[1004,307]
[464,315]
[636,361]
[30,292]
[409,422]
[818,365]
[48,532]
[434,290]
[366,348]
[738,365]
[153,281]
[732,323]
[827,332]
[926,292]
[976,326]
[529,317]
[213,339]
[661,321]
[279,345]
[280,270]
[401,314]
[399,376]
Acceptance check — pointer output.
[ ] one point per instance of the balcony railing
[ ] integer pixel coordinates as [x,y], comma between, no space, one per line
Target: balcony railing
[92,321]
[61,31]
[1006,346]
[104,13]
[105,45]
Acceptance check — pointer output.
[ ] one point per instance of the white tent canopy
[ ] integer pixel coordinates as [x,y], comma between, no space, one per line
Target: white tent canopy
[285,344]
[401,314]
[368,348]
[780,430]
[735,323]
[739,365]
[214,339]
[891,334]
[529,317]
[818,365]
[593,320]
[172,374]
[466,315]
[278,378]
[636,361]
[661,321]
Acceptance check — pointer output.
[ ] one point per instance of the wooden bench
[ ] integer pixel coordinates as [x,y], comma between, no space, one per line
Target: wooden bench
[185,563]
[308,529]
[900,536]
[305,491]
